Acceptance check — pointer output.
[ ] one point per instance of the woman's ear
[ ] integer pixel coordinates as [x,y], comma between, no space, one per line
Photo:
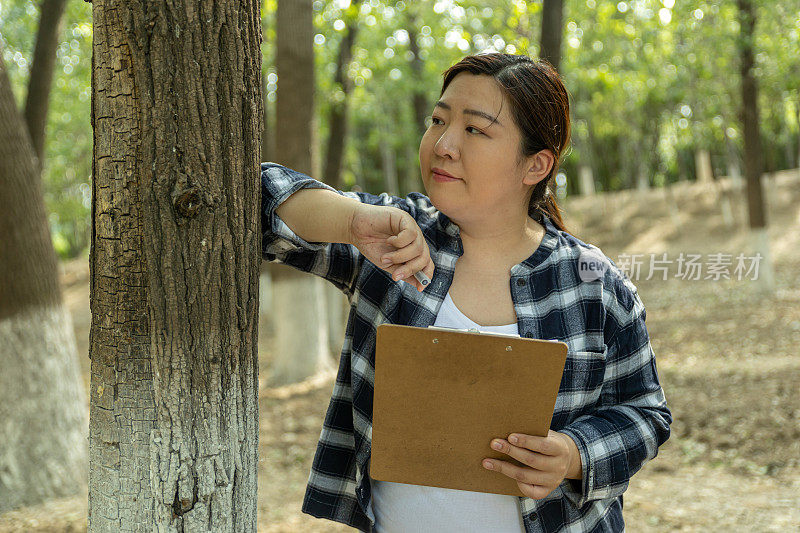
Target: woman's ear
[539,165]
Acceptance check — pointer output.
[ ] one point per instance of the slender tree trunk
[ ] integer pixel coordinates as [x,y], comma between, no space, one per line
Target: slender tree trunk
[388,162]
[624,150]
[734,170]
[413,174]
[702,162]
[420,110]
[44,58]
[582,145]
[266,153]
[336,312]
[642,167]
[359,173]
[419,101]
[586,177]
[337,137]
[797,121]
[174,265]
[301,347]
[672,205]
[266,316]
[294,63]
[753,163]
[43,419]
[788,148]
[337,119]
[552,28]
[731,190]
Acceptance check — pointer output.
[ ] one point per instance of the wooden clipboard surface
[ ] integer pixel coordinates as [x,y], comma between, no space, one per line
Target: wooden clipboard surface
[441,396]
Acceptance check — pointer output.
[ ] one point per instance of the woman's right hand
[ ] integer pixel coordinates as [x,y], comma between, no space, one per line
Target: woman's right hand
[386,232]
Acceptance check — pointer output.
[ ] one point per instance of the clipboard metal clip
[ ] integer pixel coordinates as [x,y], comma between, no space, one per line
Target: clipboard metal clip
[474,330]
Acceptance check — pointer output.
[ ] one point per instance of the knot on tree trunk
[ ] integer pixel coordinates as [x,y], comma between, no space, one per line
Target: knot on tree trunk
[187,202]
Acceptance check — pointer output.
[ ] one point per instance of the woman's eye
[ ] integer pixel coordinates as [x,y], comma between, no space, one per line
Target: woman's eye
[435,119]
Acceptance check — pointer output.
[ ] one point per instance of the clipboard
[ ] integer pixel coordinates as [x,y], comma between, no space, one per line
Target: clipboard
[441,395]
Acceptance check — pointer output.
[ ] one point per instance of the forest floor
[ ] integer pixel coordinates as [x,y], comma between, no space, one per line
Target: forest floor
[728,360]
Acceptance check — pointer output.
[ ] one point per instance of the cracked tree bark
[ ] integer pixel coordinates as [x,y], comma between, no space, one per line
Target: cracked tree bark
[174,265]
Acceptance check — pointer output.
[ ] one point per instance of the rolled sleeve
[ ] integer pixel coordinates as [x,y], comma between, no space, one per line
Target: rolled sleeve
[632,419]
[339,263]
[277,185]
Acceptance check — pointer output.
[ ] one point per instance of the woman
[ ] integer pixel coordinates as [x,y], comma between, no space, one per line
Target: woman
[490,237]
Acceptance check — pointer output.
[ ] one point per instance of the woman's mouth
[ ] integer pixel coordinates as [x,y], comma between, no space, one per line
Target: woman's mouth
[443,178]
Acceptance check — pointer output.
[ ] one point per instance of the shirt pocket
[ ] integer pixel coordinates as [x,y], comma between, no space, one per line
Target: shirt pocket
[581,381]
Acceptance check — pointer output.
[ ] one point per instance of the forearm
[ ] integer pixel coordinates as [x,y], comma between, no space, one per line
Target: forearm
[318,215]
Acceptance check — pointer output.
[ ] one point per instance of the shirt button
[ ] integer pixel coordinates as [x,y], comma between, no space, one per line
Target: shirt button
[520,282]
[529,334]
[533,516]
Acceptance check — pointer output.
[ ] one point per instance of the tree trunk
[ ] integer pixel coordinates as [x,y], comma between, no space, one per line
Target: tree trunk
[642,168]
[413,176]
[734,170]
[361,182]
[672,205]
[702,164]
[174,264]
[388,162]
[586,180]
[552,28]
[301,341]
[797,121]
[301,327]
[418,99]
[753,164]
[294,62]
[43,419]
[336,303]
[337,306]
[44,58]
[337,119]
[625,166]
[266,152]
[582,145]
[730,190]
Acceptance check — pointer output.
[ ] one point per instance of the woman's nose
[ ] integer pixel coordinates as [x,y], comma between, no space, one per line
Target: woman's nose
[446,146]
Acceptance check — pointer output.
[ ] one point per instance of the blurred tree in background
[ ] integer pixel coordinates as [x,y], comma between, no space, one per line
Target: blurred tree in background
[67,162]
[655,87]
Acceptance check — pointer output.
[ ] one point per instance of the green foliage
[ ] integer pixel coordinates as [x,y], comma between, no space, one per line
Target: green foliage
[650,80]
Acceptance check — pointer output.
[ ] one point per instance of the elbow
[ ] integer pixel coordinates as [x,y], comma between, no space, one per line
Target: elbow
[663,423]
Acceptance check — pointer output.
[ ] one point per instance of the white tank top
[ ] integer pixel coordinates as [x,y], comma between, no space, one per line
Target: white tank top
[402,508]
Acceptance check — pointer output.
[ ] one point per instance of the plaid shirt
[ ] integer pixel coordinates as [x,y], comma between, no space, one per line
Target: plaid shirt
[610,401]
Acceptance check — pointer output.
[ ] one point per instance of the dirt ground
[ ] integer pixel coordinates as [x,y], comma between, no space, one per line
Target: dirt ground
[728,360]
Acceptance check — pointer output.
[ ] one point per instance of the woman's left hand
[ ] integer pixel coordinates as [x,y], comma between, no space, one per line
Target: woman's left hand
[549,460]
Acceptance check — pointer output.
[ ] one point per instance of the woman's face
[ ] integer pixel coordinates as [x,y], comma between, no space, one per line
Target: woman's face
[463,141]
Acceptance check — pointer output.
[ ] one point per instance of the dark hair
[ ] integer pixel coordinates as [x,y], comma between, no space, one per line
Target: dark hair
[540,109]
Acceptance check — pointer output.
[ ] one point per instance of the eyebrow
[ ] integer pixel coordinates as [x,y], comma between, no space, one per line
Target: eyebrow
[469,112]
